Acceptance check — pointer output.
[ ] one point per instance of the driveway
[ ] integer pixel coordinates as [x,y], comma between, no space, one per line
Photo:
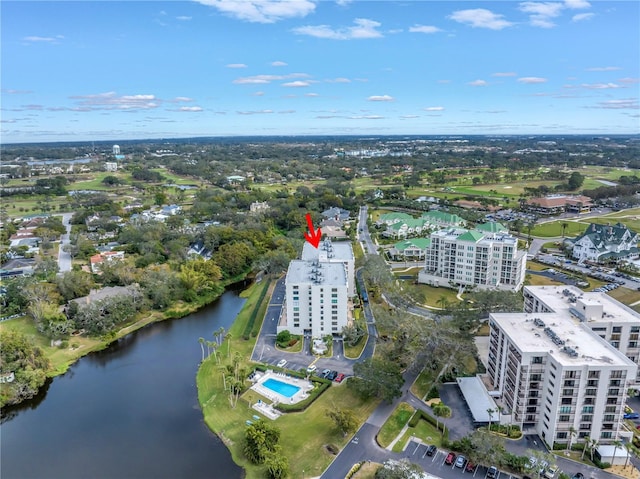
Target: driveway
[64,258]
[460,423]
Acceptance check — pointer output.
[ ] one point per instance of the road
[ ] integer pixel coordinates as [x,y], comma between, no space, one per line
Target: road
[363,232]
[64,258]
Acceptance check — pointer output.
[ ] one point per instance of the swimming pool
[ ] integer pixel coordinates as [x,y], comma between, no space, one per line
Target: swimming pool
[284,389]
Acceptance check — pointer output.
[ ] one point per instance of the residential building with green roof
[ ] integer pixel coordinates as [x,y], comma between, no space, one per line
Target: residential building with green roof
[409,249]
[440,218]
[485,259]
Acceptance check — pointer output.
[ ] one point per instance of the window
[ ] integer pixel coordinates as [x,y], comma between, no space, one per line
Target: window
[567,392]
[569,383]
[594,374]
[617,329]
[562,435]
[566,400]
[565,409]
[587,409]
[537,360]
[606,435]
[614,392]
[564,418]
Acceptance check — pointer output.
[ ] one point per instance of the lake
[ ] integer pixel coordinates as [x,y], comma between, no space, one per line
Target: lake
[130,411]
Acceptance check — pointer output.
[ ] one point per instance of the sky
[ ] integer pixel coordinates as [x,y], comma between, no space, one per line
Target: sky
[110,70]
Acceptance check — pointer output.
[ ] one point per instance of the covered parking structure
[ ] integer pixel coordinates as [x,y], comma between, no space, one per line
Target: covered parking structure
[478,400]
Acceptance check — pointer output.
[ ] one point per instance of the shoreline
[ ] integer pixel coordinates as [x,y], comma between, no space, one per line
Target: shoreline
[175,311]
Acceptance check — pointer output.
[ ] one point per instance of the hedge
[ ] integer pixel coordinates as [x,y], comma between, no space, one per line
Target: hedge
[254,314]
[321,386]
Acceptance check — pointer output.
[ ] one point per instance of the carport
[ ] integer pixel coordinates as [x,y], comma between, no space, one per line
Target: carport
[478,399]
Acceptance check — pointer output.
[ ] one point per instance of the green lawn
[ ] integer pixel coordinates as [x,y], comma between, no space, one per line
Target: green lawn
[430,295]
[394,424]
[554,228]
[304,435]
[423,383]
[423,430]
[624,295]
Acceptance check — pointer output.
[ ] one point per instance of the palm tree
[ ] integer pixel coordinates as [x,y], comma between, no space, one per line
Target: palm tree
[201,341]
[587,443]
[572,434]
[616,444]
[228,338]
[490,413]
[564,226]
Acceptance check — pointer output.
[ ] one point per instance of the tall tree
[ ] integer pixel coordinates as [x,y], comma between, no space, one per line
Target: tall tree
[377,377]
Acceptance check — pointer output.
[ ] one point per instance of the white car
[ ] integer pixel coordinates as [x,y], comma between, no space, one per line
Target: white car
[551,471]
[311,368]
[282,363]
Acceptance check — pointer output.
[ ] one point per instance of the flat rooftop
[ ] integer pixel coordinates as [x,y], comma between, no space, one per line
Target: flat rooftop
[341,250]
[305,272]
[570,342]
[556,299]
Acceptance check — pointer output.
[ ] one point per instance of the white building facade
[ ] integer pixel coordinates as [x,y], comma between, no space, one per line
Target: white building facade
[614,322]
[334,252]
[457,256]
[317,299]
[553,375]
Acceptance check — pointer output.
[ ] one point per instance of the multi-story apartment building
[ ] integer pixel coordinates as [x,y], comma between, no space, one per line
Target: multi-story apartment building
[317,299]
[486,259]
[333,252]
[556,376]
[616,323]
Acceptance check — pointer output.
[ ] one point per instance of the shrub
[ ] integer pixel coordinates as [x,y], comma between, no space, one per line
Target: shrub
[433,393]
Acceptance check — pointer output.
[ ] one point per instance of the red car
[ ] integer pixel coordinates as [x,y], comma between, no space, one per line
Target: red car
[450,458]
[339,378]
[470,466]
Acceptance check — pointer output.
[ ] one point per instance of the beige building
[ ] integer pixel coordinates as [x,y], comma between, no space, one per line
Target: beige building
[554,373]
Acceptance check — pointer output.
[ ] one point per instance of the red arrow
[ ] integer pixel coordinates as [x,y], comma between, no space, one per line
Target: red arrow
[313,236]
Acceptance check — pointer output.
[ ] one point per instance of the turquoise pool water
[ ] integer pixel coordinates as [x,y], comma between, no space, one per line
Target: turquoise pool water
[286,389]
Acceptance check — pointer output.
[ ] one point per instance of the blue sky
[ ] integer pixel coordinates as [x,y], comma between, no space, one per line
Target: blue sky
[81,70]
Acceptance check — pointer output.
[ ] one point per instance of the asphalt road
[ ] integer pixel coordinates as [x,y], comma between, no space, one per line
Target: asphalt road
[64,258]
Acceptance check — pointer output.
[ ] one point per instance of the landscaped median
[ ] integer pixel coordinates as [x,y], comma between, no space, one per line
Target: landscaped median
[309,438]
[406,423]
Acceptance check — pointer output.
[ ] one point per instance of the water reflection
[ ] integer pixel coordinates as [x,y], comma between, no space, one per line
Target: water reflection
[129,411]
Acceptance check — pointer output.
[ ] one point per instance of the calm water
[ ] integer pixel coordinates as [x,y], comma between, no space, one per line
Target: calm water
[128,412]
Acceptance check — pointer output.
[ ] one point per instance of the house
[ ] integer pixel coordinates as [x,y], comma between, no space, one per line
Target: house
[442,219]
[410,249]
[199,249]
[96,260]
[170,210]
[258,207]
[336,213]
[605,243]
[407,228]
[7,377]
[391,218]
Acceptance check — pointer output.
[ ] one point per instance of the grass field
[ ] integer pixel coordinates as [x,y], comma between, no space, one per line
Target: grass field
[394,424]
[423,430]
[304,435]
[624,295]
[430,295]
[554,228]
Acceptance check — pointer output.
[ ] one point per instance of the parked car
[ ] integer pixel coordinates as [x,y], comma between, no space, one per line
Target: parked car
[460,461]
[325,373]
[282,363]
[578,475]
[332,375]
[311,368]
[470,466]
[431,450]
[632,415]
[551,472]
[492,473]
[339,378]
[450,458]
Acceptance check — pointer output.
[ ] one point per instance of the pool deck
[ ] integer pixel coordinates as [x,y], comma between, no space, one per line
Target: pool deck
[275,398]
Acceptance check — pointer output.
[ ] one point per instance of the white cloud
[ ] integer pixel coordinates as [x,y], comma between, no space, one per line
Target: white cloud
[183,18]
[380,98]
[312,95]
[603,69]
[409,117]
[575,4]
[262,11]
[263,79]
[366,117]
[628,103]
[621,80]
[363,28]
[343,3]
[503,74]
[182,99]
[478,83]
[424,29]
[16,92]
[278,64]
[190,108]
[37,39]
[600,86]
[254,112]
[434,108]
[339,80]
[286,112]
[236,65]
[532,80]
[111,101]
[258,93]
[480,18]
[582,16]
[297,84]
